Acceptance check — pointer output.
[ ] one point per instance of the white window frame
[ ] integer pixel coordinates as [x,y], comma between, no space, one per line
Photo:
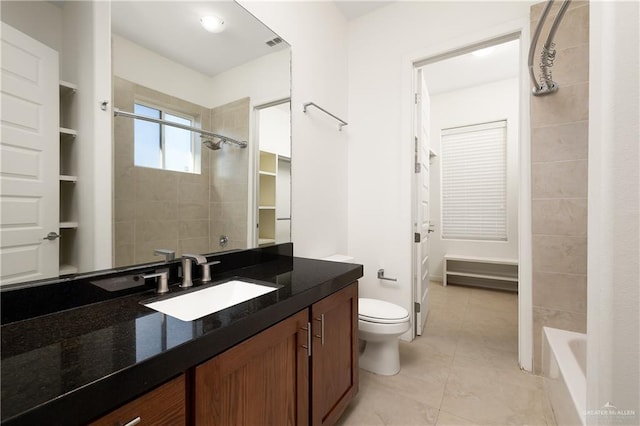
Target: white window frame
[455,208]
[195,147]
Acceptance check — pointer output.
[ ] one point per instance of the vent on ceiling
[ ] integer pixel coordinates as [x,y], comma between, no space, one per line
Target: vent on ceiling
[274,42]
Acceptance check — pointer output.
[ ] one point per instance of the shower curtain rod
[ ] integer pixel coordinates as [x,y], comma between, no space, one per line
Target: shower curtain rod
[548,54]
[117,112]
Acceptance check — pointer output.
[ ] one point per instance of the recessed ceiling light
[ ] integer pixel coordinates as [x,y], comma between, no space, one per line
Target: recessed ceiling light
[483,52]
[213,24]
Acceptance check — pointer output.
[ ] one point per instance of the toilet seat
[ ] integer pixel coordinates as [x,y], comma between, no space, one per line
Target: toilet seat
[381,312]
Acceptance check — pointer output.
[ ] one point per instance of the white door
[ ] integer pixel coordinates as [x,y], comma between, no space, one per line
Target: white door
[29,148]
[421,203]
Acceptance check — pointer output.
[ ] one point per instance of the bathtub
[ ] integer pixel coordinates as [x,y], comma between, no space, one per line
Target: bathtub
[564,365]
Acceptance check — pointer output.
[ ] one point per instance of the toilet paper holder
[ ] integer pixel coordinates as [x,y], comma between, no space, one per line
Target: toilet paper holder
[382,277]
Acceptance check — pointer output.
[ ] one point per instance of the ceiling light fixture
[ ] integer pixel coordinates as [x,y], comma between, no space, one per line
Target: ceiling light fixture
[483,52]
[213,24]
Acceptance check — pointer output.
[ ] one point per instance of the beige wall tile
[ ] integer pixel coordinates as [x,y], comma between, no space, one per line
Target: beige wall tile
[194,246]
[563,292]
[154,230]
[194,229]
[536,9]
[193,192]
[194,211]
[156,210]
[574,28]
[156,185]
[560,142]
[564,179]
[568,105]
[124,233]
[124,255]
[144,251]
[560,217]
[560,254]
[124,211]
[571,66]
[564,320]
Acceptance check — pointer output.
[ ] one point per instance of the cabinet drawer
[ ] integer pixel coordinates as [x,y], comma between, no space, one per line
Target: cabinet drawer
[163,405]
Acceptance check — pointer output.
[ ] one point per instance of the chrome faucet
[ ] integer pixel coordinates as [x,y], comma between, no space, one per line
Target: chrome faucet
[163,280]
[169,255]
[187,259]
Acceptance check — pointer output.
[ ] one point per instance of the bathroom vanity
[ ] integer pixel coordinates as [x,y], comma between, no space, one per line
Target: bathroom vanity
[286,357]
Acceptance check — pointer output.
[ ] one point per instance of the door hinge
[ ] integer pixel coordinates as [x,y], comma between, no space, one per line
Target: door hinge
[417,306]
[417,98]
[416,237]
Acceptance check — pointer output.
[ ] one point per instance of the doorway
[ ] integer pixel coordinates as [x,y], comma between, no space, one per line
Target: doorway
[475,85]
[273,177]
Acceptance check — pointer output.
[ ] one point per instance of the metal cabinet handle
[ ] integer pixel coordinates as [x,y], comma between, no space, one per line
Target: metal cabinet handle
[51,236]
[308,345]
[321,335]
[133,422]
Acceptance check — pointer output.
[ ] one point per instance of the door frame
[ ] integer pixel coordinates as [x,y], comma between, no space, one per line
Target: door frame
[252,222]
[516,29]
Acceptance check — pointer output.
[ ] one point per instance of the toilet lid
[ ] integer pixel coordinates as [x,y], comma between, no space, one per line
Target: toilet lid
[375,310]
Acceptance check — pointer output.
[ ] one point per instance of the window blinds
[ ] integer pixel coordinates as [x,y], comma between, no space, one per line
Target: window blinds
[474,182]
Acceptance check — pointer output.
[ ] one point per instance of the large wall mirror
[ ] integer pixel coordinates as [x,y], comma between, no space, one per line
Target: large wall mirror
[169,186]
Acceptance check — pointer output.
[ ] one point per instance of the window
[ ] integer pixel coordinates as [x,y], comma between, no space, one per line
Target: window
[474,182]
[165,147]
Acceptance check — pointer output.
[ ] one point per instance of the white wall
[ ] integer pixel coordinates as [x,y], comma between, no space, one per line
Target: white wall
[613,318]
[264,79]
[41,20]
[317,33]
[274,127]
[382,46]
[486,103]
[147,68]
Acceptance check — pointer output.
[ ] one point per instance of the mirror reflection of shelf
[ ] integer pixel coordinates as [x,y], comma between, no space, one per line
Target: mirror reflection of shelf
[267,174]
[67,269]
[68,179]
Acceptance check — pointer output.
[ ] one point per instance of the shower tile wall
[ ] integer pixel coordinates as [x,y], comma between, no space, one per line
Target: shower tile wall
[559,144]
[229,178]
[156,208]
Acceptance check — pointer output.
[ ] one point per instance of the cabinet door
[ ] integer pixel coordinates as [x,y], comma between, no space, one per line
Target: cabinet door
[163,405]
[262,381]
[335,355]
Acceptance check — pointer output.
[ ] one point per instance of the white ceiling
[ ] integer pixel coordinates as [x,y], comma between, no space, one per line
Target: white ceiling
[172,29]
[355,9]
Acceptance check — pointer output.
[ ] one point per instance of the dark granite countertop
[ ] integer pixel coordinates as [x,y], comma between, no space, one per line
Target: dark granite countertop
[72,366]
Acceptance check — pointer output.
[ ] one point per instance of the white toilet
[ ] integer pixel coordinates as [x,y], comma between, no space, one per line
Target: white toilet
[380,324]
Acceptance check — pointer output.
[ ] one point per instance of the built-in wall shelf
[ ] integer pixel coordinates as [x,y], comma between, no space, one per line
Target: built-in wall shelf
[68,178]
[267,172]
[497,273]
[68,133]
[67,88]
[68,169]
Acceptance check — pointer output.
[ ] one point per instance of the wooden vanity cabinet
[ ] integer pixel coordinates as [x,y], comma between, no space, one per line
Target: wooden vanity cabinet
[273,379]
[261,381]
[163,405]
[334,360]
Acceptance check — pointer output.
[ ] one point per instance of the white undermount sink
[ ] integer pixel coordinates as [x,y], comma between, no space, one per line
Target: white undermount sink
[199,303]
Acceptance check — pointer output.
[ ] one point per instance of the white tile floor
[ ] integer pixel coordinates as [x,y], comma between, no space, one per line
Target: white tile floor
[462,371]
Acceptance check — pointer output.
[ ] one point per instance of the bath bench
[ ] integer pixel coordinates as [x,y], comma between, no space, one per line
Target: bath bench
[497,273]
